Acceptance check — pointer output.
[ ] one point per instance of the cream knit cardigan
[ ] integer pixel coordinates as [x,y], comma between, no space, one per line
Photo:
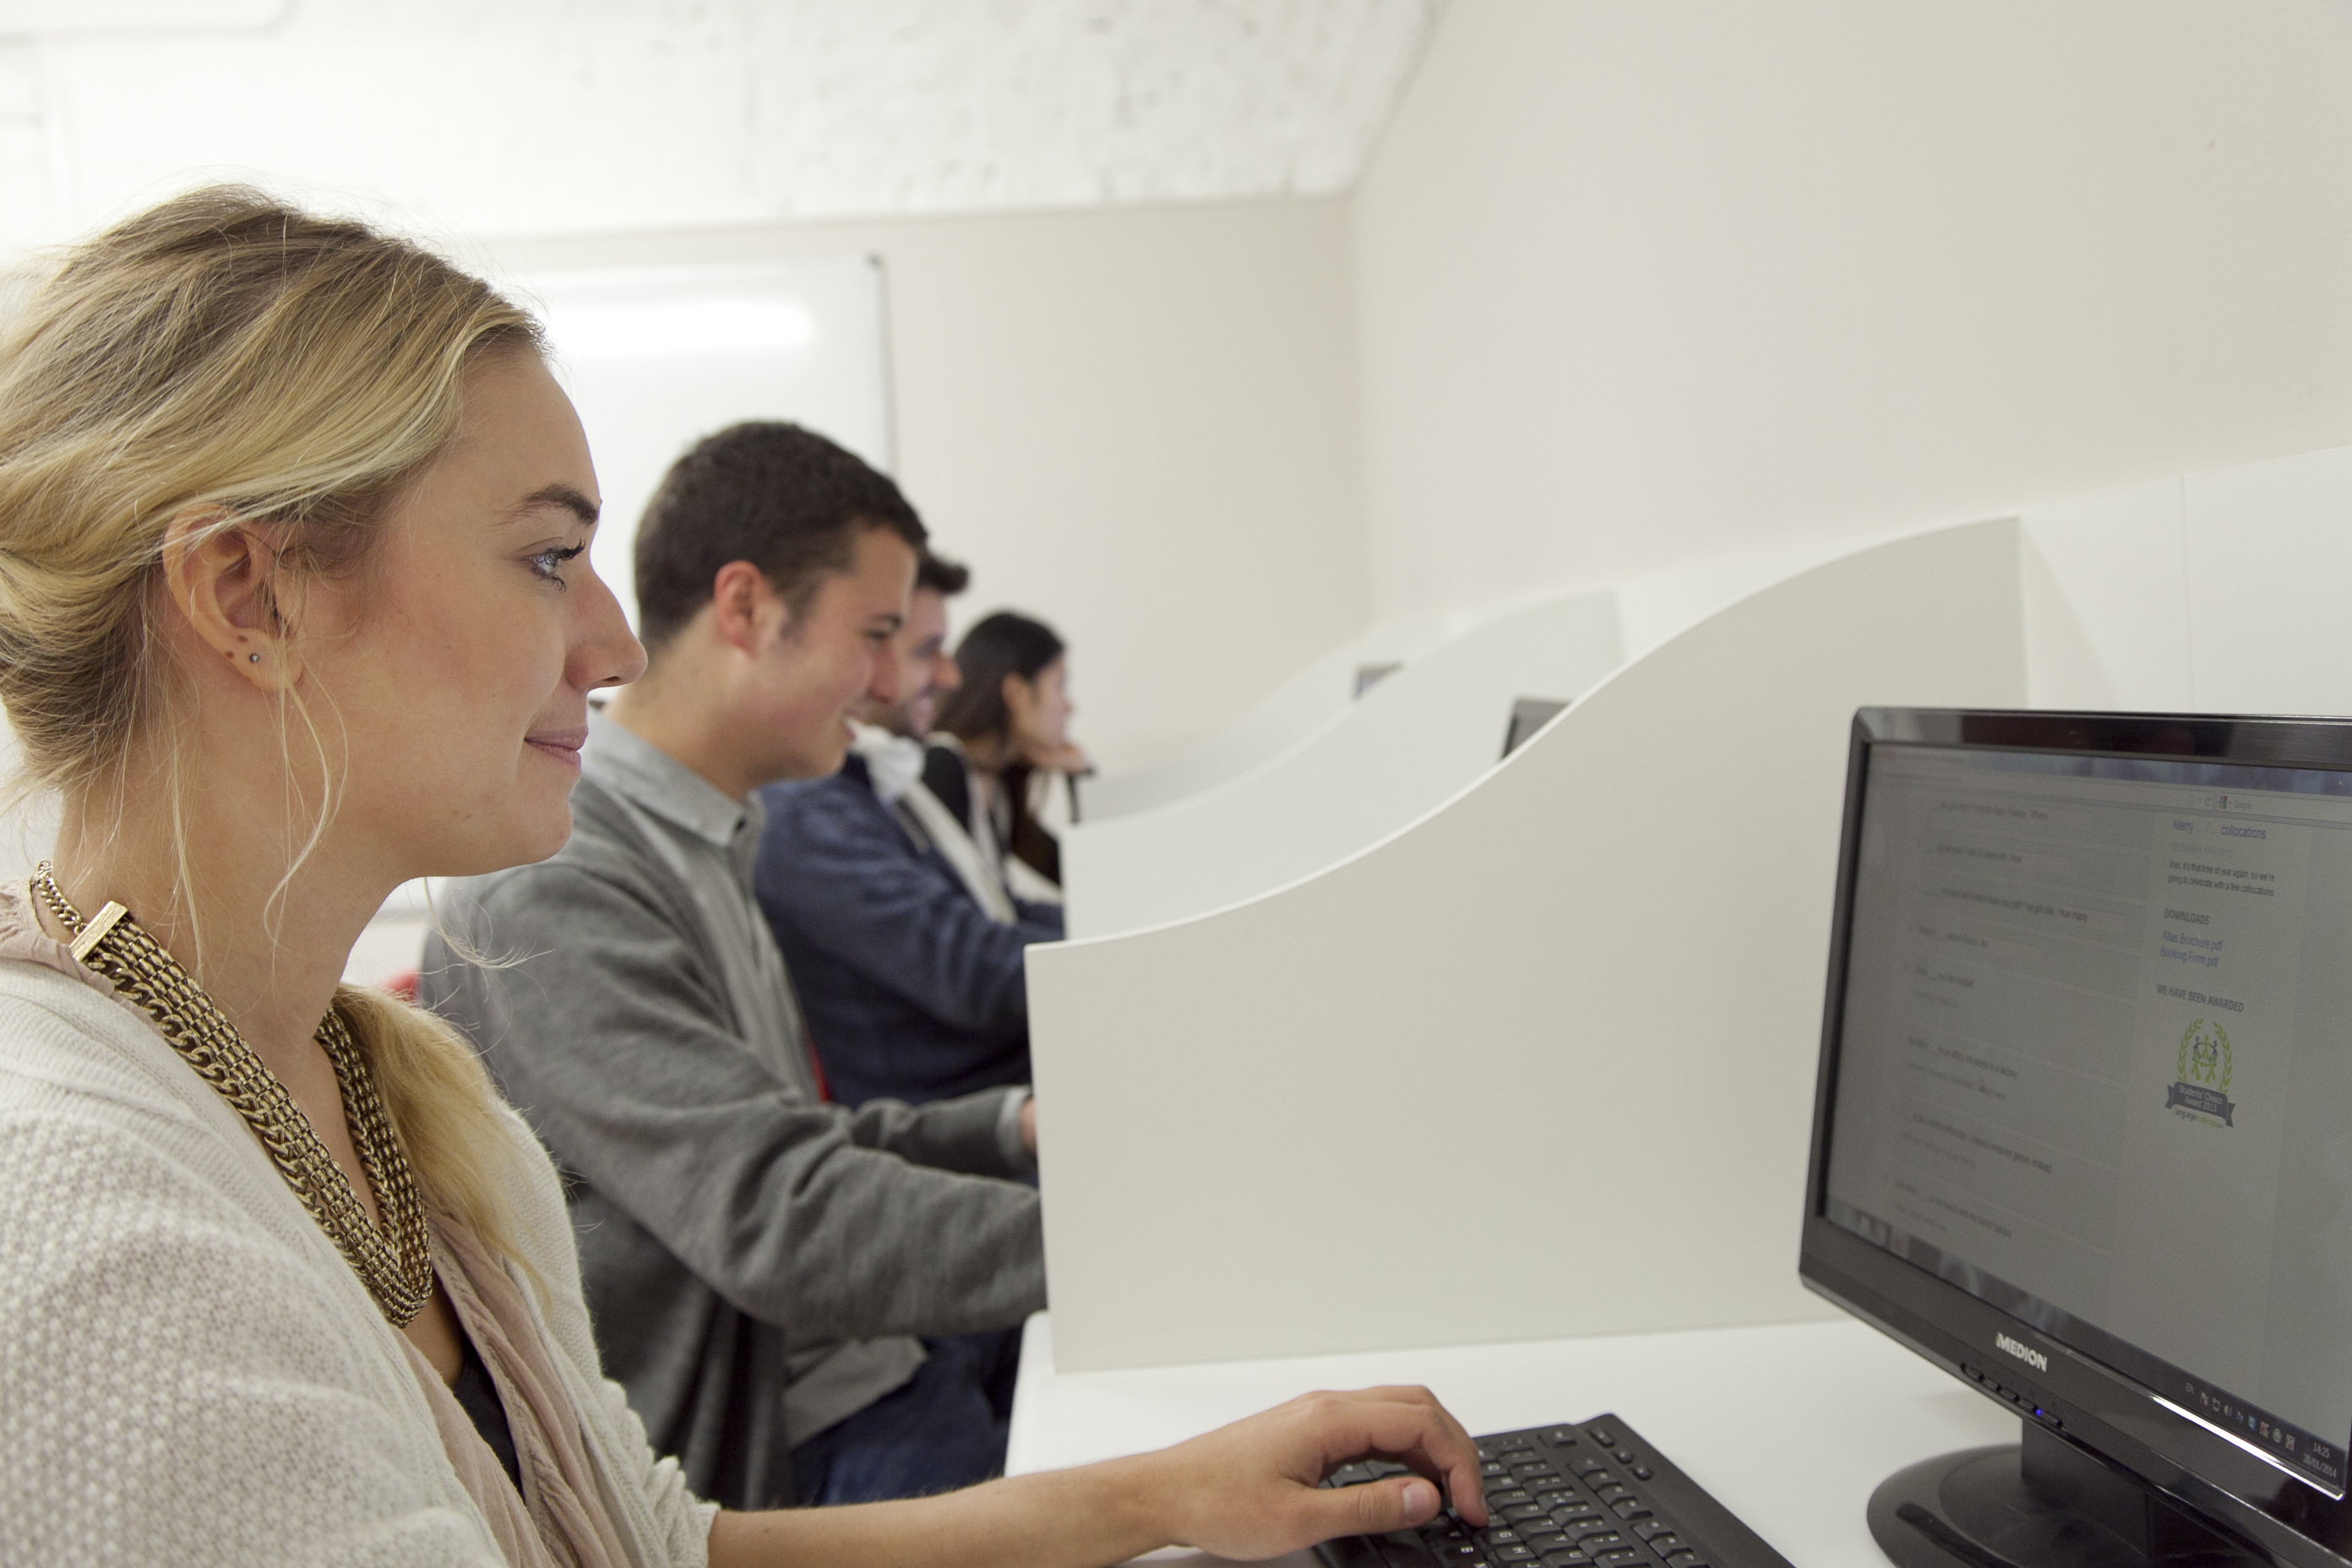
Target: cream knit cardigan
[190,1374]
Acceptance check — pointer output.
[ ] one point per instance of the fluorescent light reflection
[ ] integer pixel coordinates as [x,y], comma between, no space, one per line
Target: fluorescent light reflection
[683,327]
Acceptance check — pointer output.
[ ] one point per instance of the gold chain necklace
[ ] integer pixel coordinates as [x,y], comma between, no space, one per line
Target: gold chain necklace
[394,1263]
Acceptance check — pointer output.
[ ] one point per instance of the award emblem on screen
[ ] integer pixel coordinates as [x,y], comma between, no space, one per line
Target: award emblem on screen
[2206,1066]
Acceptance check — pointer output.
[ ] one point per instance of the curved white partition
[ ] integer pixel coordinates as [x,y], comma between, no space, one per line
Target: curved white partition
[1310,699]
[1540,1064]
[1412,741]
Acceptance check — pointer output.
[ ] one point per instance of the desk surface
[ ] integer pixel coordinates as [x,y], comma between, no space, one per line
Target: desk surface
[1790,1426]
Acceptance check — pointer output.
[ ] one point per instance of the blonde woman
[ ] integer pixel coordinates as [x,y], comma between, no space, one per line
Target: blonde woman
[294,607]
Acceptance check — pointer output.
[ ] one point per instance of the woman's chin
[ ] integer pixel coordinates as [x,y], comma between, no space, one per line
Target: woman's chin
[525,844]
[547,838]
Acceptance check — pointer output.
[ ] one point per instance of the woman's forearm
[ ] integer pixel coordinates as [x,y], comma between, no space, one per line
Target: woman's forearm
[1248,1490]
[1057,1519]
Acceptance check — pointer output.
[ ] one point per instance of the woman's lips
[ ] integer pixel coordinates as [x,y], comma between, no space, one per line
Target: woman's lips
[563,745]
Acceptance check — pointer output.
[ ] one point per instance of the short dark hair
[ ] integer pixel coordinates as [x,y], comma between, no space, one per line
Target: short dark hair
[997,646]
[941,576]
[783,497]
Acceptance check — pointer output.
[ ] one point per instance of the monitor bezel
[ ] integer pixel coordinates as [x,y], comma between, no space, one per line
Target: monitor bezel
[2094,1407]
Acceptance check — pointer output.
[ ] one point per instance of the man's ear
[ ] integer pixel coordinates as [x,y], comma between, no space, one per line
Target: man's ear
[226,581]
[741,602]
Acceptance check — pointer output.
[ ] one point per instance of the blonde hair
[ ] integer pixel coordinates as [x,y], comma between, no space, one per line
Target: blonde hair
[226,355]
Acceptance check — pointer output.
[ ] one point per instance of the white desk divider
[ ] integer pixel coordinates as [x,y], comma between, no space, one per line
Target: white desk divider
[1310,699]
[1540,1065]
[1408,744]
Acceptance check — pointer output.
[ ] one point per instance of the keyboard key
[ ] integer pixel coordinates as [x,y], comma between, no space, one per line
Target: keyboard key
[1606,1437]
[1624,1456]
[1512,1445]
[1567,1560]
[1680,1556]
[1547,1540]
[1561,1437]
[1575,1518]
[1462,1551]
[1643,1472]
[1349,1475]
[1380,1469]
[1518,1512]
[1491,1468]
[1512,1554]
[1623,1557]
[1403,1549]
[1559,1496]
[1629,1509]
[1508,1496]
[1650,1529]
[1506,1536]
[1602,1540]
[1612,1492]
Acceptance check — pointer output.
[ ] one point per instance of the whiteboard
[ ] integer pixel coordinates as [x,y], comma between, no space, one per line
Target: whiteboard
[656,357]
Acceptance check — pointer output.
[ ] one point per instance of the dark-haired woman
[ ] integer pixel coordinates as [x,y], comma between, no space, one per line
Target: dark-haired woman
[1010,720]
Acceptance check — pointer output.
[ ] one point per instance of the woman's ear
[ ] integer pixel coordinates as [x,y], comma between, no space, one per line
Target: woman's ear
[224,578]
[1020,699]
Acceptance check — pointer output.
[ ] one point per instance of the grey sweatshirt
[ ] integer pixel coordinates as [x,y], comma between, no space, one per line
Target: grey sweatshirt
[747,1250]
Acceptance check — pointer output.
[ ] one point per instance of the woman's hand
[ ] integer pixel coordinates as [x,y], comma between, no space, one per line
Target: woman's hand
[1053,756]
[1247,1490]
[1250,1491]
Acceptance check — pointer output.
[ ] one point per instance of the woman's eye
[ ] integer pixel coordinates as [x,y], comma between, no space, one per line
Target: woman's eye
[549,565]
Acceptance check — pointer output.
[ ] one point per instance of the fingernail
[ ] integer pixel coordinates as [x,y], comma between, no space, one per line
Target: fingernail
[1420,1498]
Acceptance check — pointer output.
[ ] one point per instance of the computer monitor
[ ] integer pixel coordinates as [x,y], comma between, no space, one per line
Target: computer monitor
[1529,714]
[2083,1132]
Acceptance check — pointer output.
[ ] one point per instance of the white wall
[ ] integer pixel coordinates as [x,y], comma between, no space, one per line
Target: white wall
[1138,423]
[1642,286]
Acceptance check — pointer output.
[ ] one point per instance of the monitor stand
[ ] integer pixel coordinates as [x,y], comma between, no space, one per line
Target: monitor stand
[2045,1504]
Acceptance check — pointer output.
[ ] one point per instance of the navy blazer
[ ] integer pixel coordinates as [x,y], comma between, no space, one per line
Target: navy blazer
[910,989]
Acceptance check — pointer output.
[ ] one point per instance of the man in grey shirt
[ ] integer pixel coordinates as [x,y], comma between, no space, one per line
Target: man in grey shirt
[757,1261]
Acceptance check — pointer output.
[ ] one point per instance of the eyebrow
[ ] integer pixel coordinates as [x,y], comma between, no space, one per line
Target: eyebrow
[562,496]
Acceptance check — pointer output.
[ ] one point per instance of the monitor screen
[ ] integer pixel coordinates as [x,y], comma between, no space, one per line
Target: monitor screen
[1529,714]
[2089,1066]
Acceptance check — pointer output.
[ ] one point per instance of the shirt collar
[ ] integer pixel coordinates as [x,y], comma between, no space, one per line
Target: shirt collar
[628,765]
[894,764]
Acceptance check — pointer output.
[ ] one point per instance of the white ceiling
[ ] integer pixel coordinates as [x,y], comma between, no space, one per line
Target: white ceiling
[512,116]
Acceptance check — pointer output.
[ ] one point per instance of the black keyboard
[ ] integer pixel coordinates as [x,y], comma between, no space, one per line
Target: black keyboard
[1590,1496]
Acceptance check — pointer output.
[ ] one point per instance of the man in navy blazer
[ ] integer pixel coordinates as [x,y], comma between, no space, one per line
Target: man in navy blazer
[903,945]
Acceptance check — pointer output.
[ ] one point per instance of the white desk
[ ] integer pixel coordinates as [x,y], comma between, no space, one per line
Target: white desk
[1790,1428]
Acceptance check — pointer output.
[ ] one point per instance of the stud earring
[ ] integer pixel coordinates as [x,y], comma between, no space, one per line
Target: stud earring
[253,658]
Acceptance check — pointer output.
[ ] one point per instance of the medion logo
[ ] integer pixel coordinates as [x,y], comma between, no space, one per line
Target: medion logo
[2024,1352]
